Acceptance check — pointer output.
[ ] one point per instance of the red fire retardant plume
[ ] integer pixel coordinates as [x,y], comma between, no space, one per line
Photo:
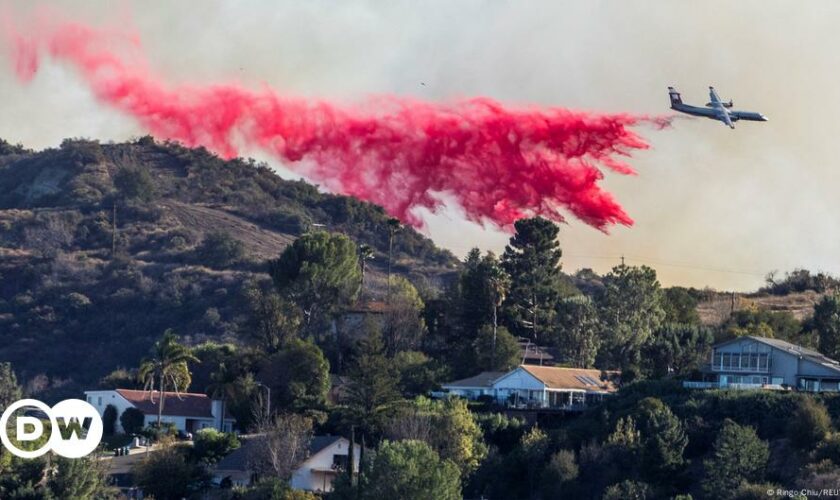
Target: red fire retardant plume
[500,163]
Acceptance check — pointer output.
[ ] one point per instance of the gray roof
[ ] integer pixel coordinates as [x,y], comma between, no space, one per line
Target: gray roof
[483,379]
[804,352]
[238,459]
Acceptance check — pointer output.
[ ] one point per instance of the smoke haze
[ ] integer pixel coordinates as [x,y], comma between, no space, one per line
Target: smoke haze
[711,206]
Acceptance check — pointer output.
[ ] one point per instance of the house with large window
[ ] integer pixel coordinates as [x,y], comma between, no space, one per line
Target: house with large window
[758,362]
[539,387]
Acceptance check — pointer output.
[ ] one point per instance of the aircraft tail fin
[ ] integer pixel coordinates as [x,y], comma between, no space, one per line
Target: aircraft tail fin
[675,96]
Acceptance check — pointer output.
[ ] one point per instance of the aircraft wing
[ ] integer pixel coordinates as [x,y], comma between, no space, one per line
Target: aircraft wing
[748,115]
[713,95]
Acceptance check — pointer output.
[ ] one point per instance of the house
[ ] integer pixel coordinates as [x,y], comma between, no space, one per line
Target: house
[757,362]
[473,387]
[189,412]
[533,386]
[533,354]
[326,457]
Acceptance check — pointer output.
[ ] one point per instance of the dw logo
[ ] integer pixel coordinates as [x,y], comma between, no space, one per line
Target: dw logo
[75,428]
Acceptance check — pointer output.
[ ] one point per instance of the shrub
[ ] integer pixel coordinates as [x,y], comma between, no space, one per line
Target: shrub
[220,249]
[109,420]
[210,445]
[809,424]
[132,421]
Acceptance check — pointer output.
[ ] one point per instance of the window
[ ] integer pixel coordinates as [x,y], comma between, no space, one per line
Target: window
[727,361]
[340,462]
[99,401]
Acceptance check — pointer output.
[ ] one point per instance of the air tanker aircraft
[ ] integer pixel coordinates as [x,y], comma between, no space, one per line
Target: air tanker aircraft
[715,109]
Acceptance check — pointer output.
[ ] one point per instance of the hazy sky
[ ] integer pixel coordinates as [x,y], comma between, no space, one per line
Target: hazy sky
[712,206]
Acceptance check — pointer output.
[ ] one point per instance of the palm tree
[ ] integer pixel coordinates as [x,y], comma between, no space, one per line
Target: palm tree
[166,368]
[393,227]
[365,254]
[224,386]
[499,283]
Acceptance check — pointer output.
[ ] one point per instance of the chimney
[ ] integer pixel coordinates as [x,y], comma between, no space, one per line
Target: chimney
[216,411]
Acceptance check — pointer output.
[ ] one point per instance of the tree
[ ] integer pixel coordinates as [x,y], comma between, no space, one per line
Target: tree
[166,368]
[507,353]
[224,386]
[498,284]
[135,183]
[738,455]
[663,440]
[373,379]
[132,420]
[83,478]
[630,311]
[577,331]
[628,490]
[680,306]
[210,445]
[419,373]
[447,426]
[220,249]
[826,322]
[318,272]
[532,260]
[109,420]
[809,424]
[167,475]
[559,474]
[273,321]
[410,470]
[678,349]
[394,227]
[403,323]
[284,446]
[298,376]
[365,254]
[9,388]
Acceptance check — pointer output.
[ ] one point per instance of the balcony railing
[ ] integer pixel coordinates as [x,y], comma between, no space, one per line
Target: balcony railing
[738,369]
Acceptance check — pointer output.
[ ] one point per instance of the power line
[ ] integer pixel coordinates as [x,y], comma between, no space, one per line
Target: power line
[657,262]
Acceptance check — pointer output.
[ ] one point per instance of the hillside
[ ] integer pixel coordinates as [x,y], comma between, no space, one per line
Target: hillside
[717,306]
[78,299]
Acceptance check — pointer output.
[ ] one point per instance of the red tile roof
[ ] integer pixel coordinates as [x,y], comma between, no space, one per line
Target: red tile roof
[184,404]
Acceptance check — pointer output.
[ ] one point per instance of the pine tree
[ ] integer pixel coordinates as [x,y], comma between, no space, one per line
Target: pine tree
[532,259]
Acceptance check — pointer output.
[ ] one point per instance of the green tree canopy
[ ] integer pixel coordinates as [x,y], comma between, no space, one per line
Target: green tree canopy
[319,272]
[630,311]
[532,260]
[677,349]
[410,470]
[9,388]
[577,332]
[298,375]
[809,424]
[373,379]
[166,368]
[506,355]
[663,440]
[826,322]
[739,455]
[80,479]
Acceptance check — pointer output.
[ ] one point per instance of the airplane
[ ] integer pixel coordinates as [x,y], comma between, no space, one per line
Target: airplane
[715,109]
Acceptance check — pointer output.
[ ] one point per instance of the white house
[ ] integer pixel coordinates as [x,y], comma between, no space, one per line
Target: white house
[327,456]
[532,386]
[189,412]
[757,362]
[475,386]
